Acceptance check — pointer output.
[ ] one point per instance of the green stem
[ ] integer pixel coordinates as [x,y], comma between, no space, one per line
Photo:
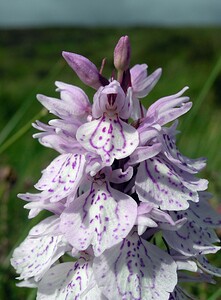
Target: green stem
[204,92]
[22,131]
[27,103]
[216,295]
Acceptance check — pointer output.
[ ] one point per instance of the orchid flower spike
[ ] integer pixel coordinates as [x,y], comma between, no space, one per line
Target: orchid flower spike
[127,209]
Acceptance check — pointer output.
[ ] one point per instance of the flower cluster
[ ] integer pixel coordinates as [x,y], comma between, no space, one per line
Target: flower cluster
[129,215]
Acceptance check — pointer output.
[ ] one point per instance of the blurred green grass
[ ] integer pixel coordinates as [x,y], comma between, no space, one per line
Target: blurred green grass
[30,62]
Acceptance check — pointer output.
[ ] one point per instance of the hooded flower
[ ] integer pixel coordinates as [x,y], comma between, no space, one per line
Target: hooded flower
[129,213]
[109,135]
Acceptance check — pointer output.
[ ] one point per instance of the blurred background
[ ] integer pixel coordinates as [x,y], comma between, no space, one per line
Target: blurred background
[182,37]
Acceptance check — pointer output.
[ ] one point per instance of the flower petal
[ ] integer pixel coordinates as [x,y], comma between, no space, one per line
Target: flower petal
[147,133]
[167,139]
[199,277]
[157,181]
[141,83]
[120,176]
[203,213]
[179,294]
[85,69]
[138,74]
[36,254]
[68,281]
[38,204]
[59,142]
[109,137]
[102,217]
[149,216]
[185,263]
[111,99]
[143,153]
[168,108]
[68,128]
[48,226]
[68,107]
[135,269]
[62,177]
[191,239]
[207,267]
[75,97]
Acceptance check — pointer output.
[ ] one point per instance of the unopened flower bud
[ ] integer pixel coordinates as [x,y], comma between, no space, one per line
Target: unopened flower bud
[85,69]
[122,54]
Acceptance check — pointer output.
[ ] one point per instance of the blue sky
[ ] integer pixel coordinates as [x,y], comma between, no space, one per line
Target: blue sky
[105,12]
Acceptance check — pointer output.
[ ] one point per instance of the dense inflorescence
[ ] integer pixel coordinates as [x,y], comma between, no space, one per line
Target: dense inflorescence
[127,208]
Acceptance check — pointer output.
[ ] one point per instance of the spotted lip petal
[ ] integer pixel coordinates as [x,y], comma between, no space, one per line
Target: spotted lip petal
[162,184]
[196,237]
[135,269]
[207,267]
[102,217]
[62,177]
[109,137]
[203,213]
[68,281]
[191,239]
[36,254]
[167,139]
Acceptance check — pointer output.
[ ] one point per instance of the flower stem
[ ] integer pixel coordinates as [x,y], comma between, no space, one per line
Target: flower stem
[27,103]
[22,131]
[202,95]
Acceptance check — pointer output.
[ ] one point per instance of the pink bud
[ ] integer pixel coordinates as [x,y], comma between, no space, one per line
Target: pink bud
[122,54]
[85,69]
